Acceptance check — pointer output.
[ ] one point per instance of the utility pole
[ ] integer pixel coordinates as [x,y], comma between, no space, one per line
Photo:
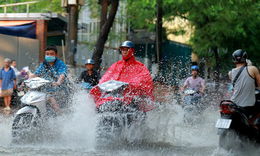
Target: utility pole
[72,29]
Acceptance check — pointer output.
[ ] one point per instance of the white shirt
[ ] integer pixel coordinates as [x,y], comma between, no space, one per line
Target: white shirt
[17,73]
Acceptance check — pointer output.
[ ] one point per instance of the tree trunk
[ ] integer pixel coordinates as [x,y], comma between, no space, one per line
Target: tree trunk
[72,35]
[216,72]
[105,25]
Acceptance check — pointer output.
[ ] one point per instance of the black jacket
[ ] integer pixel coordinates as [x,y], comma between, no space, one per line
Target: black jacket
[93,79]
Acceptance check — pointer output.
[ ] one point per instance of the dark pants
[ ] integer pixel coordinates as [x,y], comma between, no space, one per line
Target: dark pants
[252,110]
[14,97]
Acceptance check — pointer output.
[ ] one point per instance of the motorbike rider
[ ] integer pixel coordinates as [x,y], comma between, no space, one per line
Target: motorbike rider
[195,82]
[55,70]
[133,72]
[244,88]
[90,75]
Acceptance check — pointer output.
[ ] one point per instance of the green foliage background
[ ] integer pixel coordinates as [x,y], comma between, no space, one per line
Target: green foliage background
[226,24]
[95,10]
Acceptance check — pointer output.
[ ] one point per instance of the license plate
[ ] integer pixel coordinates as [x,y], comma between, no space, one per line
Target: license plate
[223,123]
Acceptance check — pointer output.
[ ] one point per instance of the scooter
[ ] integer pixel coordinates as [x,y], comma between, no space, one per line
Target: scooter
[234,129]
[35,110]
[116,118]
[192,106]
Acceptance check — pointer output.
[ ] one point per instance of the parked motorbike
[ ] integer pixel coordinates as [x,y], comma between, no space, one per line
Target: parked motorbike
[35,110]
[234,129]
[116,118]
[191,105]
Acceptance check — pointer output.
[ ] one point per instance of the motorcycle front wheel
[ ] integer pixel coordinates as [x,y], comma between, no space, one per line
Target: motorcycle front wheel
[23,126]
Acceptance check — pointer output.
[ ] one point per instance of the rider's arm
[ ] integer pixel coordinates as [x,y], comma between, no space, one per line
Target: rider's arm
[256,75]
[203,87]
[182,88]
[63,72]
[61,78]
[229,75]
[185,85]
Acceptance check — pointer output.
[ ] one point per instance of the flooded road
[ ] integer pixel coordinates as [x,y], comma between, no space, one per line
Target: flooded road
[74,134]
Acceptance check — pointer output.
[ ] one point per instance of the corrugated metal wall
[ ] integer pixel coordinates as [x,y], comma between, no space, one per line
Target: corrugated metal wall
[24,50]
[8,48]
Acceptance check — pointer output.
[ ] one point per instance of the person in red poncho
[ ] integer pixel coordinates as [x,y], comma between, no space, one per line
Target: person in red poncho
[133,72]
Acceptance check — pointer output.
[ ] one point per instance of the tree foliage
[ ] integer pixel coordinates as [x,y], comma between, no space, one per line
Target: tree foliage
[40,7]
[107,12]
[95,13]
[225,24]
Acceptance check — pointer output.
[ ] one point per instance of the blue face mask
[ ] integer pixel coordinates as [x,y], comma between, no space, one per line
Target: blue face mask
[50,58]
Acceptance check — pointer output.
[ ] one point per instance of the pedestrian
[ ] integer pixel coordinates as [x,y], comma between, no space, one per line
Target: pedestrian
[17,72]
[7,83]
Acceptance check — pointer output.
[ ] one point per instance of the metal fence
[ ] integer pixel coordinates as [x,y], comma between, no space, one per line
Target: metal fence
[17,4]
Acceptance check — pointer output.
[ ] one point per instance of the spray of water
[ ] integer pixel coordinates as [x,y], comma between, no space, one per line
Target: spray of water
[165,133]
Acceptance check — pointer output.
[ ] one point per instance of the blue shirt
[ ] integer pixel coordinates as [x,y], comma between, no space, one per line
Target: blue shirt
[7,78]
[56,70]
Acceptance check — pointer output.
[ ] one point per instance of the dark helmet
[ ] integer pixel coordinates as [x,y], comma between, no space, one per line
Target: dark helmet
[239,56]
[195,68]
[89,61]
[128,44]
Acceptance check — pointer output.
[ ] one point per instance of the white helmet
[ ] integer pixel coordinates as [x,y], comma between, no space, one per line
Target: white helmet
[89,61]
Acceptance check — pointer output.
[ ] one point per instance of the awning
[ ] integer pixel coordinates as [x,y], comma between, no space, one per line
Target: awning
[21,29]
[14,23]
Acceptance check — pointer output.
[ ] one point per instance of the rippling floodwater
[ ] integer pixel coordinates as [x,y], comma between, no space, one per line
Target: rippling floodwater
[74,134]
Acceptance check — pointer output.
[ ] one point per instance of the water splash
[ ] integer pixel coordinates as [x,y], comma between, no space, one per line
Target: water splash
[165,133]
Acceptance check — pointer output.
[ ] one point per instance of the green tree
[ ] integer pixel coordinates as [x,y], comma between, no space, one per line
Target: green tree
[219,27]
[41,6]
[106,12]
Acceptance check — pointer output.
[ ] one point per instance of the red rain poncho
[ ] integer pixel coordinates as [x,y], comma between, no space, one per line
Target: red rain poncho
[139,79]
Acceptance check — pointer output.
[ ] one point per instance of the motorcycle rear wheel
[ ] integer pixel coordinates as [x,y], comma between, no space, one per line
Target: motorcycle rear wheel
[229,140]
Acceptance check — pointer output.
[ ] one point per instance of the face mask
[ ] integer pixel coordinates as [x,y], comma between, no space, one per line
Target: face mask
[50,58]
